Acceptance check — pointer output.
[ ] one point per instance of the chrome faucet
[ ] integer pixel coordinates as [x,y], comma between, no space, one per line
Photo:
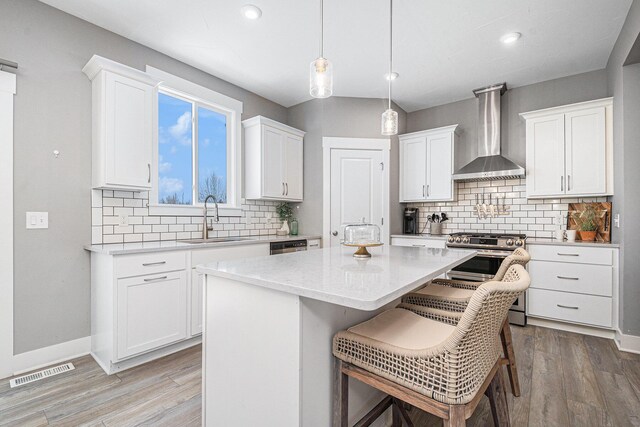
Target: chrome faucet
[205,224]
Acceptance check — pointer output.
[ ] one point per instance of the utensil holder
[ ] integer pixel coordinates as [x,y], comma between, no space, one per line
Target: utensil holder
[435,228]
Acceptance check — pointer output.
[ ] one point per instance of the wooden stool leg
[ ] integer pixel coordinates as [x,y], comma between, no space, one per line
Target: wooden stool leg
[340,396]
[456,417]
[510,355]
[498,400]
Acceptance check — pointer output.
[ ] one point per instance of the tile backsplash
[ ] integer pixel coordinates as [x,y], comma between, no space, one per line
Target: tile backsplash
[107,205]
[533,217]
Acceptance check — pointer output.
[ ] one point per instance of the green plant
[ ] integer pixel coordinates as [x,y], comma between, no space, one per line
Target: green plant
[588,219]
[285,212]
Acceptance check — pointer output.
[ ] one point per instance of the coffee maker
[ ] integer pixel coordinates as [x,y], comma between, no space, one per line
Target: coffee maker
[410,221]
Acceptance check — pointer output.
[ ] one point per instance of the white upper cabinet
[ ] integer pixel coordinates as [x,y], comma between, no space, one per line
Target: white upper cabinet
[273,160]
[122,110]
[426,165]
[570,150]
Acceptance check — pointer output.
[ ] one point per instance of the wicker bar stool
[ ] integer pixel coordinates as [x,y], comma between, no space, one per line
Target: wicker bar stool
[437,367]
[450,298]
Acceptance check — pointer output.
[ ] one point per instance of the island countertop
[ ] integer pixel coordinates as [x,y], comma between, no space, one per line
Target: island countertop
[334,276]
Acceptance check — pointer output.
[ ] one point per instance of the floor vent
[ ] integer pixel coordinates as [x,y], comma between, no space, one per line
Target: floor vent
[36,376]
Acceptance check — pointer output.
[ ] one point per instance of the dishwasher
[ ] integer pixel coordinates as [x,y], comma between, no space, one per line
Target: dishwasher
[287,247]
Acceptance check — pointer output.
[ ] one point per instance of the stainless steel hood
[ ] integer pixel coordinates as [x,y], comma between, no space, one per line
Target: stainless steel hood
[490,164]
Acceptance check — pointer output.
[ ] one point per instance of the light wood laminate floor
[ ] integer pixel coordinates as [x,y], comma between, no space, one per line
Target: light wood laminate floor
[566,380]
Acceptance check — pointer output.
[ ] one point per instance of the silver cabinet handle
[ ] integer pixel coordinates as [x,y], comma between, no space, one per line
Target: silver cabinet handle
[423,193]
[287,186]
[335,233]
[568,182]
[428,191]
[149,264]
[562,183]
[561,254]
[149,168]
[315,245]
[568,278]
[155,278]
[283,188]
[567,306]
[420,246]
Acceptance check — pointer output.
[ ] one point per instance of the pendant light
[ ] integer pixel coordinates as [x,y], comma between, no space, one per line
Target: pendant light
[390,117]
[321,70]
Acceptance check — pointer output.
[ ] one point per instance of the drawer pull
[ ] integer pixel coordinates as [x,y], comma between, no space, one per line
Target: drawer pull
[155,278]
[315,245]
[561,254]
[420,246]
[567,306]
[568,278]
[149,264]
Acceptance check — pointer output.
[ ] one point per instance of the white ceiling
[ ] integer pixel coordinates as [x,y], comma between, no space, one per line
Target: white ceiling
[443,49]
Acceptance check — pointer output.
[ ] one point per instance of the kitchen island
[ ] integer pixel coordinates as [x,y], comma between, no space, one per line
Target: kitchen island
[269,323]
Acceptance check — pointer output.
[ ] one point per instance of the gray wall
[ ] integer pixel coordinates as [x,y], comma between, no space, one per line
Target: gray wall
[53,111]
[340,117]
[624,86]
[551,93]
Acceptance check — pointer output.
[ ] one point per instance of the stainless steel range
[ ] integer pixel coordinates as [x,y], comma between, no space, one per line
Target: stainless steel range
[492,250]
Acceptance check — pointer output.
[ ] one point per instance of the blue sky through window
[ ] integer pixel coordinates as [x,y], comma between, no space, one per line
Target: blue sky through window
[175,152]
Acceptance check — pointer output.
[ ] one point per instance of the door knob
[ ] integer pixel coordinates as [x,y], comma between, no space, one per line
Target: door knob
[335,233]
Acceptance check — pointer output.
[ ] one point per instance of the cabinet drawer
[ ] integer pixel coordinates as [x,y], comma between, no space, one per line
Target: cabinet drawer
[570,307]
[578,278]
[574,254]
[141,264]
[313,244]
[418,243]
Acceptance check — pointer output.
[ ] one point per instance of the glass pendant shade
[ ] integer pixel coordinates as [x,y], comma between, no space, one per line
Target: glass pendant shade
[321,78]
[389,122]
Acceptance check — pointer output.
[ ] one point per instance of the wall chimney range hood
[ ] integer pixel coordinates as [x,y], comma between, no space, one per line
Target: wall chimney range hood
[490,164]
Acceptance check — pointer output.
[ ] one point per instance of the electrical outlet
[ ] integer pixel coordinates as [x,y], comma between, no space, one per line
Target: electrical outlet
[268,216]
[123,220]
[248,217]
[37,220]
[616,220]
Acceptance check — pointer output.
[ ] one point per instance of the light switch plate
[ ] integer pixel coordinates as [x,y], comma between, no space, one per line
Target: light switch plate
[616,220]
[37,220]
[123,220]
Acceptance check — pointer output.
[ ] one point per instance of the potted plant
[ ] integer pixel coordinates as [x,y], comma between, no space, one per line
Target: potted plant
[588,224]
[285,213]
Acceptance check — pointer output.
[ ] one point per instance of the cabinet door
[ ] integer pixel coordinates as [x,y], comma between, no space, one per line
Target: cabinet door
[272,162]
[413,169]
[128,117]
[545,156]
[293,167]
[151,312]
[196,302]
[439,167]
[585,151]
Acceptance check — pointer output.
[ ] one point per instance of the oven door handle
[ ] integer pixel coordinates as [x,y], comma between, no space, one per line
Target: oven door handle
[494,254]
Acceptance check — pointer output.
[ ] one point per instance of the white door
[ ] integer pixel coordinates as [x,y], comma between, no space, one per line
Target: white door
[439,167]
[128,131]
[356,189]
[414,170]
[293,167]
[585,151]
[545,156]
[152,312]
[273,163]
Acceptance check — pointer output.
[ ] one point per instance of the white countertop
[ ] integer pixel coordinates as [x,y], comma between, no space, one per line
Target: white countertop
[549,241]
[422,236]
[176,245]
[333,275]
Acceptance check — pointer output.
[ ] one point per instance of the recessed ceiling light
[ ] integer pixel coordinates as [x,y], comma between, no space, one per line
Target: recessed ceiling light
[510,38]
[251,11]
[394,76]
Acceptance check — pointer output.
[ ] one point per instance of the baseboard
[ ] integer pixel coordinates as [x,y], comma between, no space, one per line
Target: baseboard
[570,327]
[628,343]
[51,355]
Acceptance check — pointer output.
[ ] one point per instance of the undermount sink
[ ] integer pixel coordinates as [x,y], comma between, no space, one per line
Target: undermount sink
[215,240]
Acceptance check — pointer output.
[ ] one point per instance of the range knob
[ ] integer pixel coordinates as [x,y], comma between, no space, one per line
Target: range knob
[458,239]
[450,239]
[509,242]
[519,242]
[465,240]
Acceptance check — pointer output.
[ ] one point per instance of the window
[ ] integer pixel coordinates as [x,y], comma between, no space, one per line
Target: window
[197,150]
[192,151]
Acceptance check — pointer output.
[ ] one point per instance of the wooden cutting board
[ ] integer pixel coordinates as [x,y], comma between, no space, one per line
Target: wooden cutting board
[603,218]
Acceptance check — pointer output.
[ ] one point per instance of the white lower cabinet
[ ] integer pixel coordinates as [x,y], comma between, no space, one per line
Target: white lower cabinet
[197,284]
[573,284]
[418,242]
[152,312]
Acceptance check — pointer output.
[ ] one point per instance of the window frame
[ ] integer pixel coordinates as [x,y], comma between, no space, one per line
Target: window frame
[199,96]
